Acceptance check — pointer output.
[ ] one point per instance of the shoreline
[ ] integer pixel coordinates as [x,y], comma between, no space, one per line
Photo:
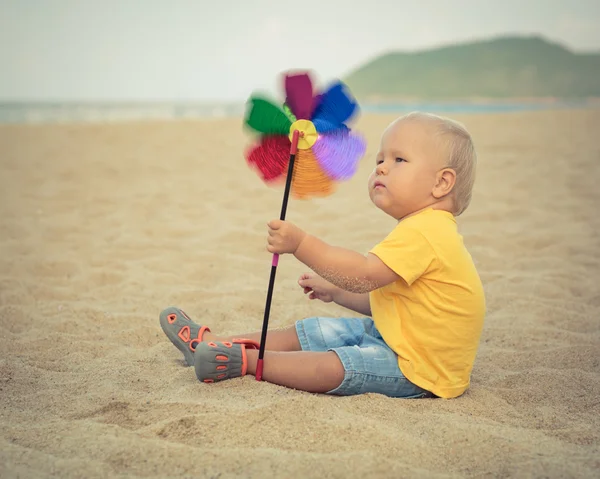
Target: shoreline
[23,115]
[119,113]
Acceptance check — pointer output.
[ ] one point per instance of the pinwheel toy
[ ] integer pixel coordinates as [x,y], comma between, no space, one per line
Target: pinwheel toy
[307,143]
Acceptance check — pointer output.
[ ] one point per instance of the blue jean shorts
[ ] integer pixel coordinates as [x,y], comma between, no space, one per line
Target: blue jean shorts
[369,363]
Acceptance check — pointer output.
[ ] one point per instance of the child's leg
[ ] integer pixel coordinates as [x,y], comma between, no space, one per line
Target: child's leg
[186,334]
[286,364]
[285,339]
[314,369]
[315,372]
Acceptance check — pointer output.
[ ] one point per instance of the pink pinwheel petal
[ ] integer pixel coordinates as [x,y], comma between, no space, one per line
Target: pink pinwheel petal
[299,95]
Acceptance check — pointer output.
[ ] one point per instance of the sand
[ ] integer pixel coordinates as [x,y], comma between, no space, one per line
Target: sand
[102,226]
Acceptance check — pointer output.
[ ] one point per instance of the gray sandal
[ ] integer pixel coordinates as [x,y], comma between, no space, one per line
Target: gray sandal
[182,331]
[215,361]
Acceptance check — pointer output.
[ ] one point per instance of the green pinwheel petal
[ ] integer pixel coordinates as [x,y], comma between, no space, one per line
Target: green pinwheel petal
[289,113]
[266,117]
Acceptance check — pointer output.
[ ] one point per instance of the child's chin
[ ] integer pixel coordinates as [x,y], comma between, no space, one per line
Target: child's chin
[383,207]
[378,199]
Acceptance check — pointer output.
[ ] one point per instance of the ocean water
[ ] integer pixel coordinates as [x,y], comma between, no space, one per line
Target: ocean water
[472,107]
[18,113]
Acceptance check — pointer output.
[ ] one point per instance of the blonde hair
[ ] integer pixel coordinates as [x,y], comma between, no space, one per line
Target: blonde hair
[461,155]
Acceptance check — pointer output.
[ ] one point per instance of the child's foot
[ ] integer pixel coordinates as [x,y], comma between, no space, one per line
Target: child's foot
[182,331]
[215,361]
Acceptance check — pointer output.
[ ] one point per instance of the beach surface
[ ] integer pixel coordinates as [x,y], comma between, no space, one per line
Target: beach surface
[104,225]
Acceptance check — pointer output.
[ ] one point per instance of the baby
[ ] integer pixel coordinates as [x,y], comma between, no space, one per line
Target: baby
[418,292]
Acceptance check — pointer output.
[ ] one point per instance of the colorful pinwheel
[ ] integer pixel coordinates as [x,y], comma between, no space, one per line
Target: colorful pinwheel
[327,151]
[307,143]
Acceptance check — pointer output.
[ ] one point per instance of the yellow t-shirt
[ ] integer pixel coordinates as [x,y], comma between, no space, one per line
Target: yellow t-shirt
[433,316]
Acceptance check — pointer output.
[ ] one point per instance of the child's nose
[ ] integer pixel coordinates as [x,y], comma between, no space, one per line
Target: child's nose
[380,169]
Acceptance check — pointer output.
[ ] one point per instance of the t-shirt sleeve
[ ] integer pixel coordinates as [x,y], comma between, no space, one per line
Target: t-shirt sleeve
[407,252]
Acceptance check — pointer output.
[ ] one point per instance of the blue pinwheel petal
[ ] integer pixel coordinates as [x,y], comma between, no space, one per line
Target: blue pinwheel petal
[335,106]
[325,126]
[339,152]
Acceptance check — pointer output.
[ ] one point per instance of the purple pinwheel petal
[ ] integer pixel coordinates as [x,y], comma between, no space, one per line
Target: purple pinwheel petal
[336,105]
[317,101]
[299,95]
[338,153]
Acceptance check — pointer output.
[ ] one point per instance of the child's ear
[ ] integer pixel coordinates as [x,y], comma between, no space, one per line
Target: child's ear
[445,181]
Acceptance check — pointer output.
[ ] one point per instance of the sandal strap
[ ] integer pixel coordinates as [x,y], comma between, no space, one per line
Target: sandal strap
[198,338]
[248,343]
[245,344]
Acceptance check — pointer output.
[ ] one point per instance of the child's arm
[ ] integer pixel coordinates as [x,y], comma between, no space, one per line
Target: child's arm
[357,302]
[344,268]
[319,288]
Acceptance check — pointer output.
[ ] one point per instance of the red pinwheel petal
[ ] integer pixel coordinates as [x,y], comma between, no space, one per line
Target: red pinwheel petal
[270,157]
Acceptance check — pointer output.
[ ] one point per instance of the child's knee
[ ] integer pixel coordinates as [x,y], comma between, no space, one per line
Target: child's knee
[331,368]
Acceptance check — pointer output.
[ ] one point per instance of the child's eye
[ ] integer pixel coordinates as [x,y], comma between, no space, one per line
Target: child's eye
[400,160]
[378,162]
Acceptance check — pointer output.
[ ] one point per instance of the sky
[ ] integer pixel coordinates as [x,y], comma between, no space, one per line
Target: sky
[223,50]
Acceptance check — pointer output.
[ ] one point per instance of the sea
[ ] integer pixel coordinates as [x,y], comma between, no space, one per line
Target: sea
[34,113]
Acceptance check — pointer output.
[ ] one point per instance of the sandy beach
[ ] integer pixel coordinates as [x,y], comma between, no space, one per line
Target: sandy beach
[104,225]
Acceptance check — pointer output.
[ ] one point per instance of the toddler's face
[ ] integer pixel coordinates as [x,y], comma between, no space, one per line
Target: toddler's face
[406,165]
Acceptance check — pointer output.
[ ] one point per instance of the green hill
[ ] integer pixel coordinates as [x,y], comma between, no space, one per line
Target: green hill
[499,68]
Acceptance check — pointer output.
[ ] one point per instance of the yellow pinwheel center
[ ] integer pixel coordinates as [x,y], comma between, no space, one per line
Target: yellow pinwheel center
[308,133]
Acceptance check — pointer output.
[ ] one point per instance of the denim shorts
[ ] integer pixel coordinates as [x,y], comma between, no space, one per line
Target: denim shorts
[369,363]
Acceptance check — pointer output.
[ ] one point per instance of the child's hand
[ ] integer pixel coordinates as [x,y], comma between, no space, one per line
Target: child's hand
[317,288]
[284,237]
